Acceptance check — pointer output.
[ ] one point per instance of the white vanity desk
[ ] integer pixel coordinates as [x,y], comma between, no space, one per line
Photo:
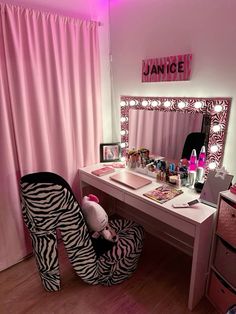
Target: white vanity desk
[192,225]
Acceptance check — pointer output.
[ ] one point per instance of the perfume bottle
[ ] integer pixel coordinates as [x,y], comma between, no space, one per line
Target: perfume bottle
[178,181]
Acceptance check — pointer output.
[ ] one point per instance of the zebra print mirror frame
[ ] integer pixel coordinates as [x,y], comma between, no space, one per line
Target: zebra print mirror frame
[216,108]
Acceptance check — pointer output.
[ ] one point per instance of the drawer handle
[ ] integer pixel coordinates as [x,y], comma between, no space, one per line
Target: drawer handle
[233,215]
[222,290]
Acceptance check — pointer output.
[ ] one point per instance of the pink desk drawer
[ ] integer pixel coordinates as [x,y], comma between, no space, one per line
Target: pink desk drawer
[226,226]
[225,261]
[221,296]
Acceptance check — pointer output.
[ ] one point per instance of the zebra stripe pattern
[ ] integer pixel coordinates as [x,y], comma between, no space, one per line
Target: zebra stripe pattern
[48,204]
[121,261]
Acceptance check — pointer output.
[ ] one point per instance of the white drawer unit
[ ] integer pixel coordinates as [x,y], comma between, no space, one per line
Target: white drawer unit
[221,290]
[220,294]
[225,260]
[226,227]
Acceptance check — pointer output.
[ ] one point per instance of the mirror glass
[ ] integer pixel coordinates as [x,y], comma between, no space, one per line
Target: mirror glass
[214,111]
[163,133]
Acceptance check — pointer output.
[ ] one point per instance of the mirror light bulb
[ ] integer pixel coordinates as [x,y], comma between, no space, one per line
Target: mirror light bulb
[212,165]
[154,103]
[216,128]
[122,145]
[214,148]
[198,104]
[167,103]
[122,103]
[218,108]
[181,105]
[144,103]
[122,119]
[122,132]
[132,102]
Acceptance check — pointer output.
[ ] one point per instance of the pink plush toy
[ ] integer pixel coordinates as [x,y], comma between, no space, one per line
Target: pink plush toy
[97,218]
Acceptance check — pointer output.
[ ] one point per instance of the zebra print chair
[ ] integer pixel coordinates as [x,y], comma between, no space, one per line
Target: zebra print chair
[48,204]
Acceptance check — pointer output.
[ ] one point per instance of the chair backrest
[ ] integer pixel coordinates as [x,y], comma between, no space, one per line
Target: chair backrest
[193,140]
[48,203]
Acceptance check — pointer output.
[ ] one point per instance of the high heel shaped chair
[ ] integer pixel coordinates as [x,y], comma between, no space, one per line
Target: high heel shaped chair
[48,204]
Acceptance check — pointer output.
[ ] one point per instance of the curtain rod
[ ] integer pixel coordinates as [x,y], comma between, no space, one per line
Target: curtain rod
[45,11]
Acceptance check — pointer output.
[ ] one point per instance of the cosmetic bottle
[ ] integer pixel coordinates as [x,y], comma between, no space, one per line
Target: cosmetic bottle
[167,174]
[201,165]
[193,161]
[164,176]
[178,182]
[192,168]
[202,158]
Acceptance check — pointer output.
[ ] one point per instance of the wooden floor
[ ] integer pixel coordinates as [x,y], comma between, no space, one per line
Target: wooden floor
[160,285]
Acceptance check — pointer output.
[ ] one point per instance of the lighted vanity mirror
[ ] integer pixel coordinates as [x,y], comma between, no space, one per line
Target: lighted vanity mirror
[215,109]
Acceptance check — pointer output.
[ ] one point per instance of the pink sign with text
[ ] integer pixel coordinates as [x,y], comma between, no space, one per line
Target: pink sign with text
[173,68]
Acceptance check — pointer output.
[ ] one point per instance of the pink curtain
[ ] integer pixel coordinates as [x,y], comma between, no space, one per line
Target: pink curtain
[50,108]
[163,133]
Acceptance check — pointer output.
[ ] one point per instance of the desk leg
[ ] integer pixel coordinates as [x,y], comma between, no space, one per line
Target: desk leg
[82,186]
[200,262]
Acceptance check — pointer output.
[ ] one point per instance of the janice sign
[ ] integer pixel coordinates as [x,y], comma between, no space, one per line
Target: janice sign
[173,68]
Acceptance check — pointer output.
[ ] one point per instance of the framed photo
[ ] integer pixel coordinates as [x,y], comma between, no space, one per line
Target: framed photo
[109,152]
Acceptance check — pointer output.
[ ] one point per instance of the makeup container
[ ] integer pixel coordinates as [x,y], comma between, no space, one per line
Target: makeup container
[200,174]
[191,178]
[178,182]
[173,179]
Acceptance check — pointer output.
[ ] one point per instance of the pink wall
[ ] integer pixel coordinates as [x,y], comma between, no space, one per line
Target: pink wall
[143,29]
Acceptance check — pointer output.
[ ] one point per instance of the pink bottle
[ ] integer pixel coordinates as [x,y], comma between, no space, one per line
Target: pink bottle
[201,165]
[193,161]
[202,158]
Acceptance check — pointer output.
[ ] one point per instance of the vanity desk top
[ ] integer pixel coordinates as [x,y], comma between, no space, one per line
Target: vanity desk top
[195,214]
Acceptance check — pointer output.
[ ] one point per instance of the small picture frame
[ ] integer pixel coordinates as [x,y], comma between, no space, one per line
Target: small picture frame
[109,152]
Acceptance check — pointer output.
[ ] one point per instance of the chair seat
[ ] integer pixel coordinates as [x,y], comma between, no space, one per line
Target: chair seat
[121,260]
